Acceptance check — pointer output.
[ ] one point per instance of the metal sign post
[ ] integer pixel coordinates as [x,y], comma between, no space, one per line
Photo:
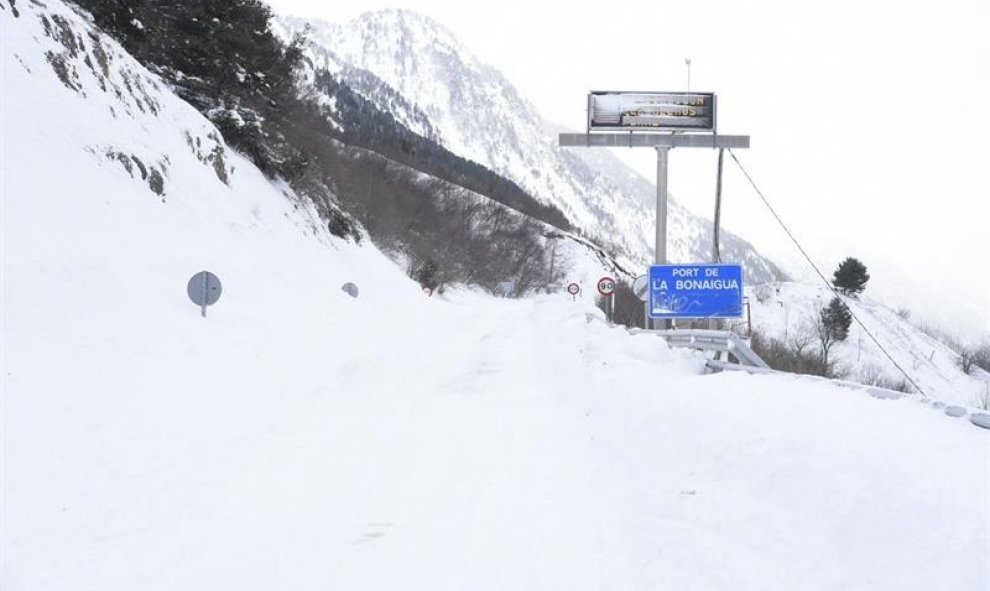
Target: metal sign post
[635,120]
[660,251]
[641,287]
[606,287]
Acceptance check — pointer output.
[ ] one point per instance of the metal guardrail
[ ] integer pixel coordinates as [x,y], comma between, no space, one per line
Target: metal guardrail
[716,366]
[714,340]
[750,362]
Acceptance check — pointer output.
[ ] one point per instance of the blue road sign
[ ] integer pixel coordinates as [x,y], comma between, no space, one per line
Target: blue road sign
[696,291]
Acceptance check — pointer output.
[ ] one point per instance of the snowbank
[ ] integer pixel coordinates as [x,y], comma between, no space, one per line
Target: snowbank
[788,308]
[298,438]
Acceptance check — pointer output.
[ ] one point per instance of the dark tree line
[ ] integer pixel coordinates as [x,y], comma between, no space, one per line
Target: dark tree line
[365,125]
[446,233]
[223,58]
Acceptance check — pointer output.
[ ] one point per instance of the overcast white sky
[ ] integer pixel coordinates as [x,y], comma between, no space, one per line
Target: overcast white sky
[867,118]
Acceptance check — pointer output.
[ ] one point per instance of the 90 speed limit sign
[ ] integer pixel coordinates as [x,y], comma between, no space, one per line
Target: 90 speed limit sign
[606,285]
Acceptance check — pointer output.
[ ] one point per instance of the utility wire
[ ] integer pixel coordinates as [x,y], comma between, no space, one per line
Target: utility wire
[822,275]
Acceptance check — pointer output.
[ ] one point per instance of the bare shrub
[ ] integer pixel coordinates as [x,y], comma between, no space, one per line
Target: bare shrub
[802,339]
[796,356]
[939,334]
[967,359]
[763,292]
[972,357]
[871,375]
[981,356]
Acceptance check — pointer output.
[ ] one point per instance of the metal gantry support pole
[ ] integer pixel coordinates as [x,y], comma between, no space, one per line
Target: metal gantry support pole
[662,142]
[660,251]
[716,228]
[663,157]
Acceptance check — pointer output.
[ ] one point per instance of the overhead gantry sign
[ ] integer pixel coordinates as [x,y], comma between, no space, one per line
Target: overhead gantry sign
[659,120]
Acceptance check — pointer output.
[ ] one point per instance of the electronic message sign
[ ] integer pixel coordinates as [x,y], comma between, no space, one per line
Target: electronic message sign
[651,111]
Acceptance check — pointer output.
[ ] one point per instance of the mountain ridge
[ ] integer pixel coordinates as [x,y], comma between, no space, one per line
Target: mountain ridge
[480,115]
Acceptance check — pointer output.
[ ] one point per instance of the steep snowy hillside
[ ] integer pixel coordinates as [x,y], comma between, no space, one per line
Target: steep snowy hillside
[476,113]
[786,310]
[115,192]
[299,438]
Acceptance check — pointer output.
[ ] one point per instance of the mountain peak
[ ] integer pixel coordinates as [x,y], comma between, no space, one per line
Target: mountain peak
[390,31]
[409,24]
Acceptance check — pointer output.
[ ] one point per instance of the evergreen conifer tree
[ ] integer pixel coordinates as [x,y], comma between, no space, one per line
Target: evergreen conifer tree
[837,318]
[832,326]
[223,58]
[850,277]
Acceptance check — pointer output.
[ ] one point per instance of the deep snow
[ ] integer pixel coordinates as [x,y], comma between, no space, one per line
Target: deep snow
[787,309]
[298,438]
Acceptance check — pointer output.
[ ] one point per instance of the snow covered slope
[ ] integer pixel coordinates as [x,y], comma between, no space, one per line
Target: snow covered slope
[298,438]
[787,309]
[476,113]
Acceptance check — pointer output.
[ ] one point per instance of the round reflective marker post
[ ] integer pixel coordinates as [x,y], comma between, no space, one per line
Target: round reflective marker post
[606,287]
[204,290]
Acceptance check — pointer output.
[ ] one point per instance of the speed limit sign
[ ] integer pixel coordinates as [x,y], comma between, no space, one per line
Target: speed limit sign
[606,285]
[573,289]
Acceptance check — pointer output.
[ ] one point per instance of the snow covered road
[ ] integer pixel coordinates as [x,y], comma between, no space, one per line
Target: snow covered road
[478,443]
[301,439]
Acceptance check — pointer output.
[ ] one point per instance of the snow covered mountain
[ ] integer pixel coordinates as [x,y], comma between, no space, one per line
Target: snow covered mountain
[475,112]
[300,438]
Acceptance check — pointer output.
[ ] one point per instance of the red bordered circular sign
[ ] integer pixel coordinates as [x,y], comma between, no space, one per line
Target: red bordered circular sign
[573,289]
[606,285]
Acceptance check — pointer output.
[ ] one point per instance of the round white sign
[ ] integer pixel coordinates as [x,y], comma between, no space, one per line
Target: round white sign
[204,288]
[573,289]
[606,285]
